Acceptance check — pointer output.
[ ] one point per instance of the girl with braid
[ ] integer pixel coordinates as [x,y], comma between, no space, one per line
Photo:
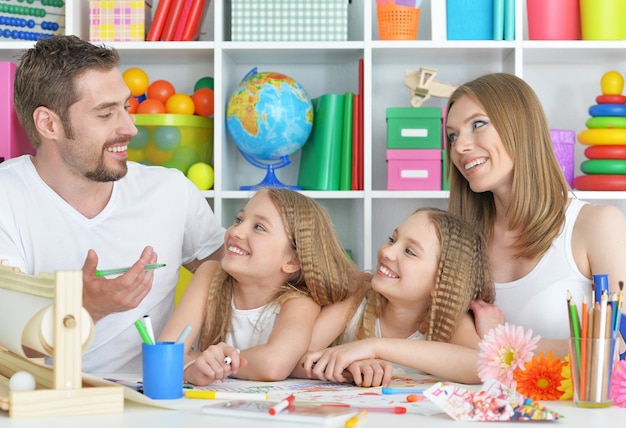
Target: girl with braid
[416,313]
[254,312]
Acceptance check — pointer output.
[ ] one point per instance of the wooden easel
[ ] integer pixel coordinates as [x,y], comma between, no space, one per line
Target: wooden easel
[60,389]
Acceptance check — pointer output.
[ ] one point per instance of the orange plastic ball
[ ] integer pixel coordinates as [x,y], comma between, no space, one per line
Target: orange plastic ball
[132,105]
[161,90]
[203,101]
[151,106]
[179,104]
[137,81]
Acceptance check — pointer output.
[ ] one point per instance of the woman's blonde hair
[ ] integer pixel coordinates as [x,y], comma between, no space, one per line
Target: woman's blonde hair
[540,193]
[463,275]
[325,273]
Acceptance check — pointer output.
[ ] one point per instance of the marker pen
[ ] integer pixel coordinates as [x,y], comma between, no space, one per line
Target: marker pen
[282,405]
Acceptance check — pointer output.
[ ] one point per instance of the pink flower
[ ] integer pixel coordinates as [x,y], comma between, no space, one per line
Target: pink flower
[618,384]
[503,350]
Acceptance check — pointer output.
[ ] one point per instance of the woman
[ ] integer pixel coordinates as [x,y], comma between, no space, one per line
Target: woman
[507,182]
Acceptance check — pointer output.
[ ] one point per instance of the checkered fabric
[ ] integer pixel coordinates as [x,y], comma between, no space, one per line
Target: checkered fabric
[117,21]
[289,20]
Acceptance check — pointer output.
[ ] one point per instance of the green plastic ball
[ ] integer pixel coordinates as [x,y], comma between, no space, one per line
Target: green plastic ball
[204,82]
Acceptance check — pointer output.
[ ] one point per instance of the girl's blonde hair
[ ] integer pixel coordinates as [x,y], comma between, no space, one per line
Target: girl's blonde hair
[325,273]
[463,275]
[540,193]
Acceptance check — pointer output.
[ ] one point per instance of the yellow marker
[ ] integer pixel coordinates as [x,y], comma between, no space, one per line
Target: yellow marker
[351,423]
[218,395]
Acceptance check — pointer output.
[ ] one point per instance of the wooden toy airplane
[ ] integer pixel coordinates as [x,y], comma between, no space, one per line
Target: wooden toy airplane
[423,85]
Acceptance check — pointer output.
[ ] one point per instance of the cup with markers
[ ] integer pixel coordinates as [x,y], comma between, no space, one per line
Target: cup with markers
[162,363]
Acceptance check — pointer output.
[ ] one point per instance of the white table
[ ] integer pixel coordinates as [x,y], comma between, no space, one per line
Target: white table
[136,416]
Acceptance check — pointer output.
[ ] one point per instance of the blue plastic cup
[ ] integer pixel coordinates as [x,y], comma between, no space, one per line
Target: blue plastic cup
[163,370]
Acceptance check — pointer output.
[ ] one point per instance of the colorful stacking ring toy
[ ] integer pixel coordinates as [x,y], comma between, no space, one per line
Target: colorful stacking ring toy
[607,137]
[606,122]
[600,182]
[611,99]
[607,110]
[606,152]
[603,166]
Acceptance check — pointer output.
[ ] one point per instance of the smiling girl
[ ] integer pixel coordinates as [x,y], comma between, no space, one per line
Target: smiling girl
[415,315]
[283,261]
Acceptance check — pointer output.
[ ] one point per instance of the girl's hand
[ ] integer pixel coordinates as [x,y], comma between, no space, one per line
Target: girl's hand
[217,362]
[486,317]
[330,363]
[368,373]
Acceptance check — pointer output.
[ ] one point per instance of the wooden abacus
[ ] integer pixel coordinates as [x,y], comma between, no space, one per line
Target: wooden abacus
[60,388]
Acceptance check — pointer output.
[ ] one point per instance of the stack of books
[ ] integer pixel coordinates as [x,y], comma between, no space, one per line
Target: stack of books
[177,20]
[332,158]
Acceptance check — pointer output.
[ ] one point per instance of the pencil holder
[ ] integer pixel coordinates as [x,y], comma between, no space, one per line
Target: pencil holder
[397,22]
[163,370]
[591,363]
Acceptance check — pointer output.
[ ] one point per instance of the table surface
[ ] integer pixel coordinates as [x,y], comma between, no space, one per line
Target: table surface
[137,415]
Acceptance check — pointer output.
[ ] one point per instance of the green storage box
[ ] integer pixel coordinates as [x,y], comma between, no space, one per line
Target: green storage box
[414,128]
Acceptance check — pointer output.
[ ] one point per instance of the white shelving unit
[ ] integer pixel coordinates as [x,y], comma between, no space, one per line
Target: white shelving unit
[565,74]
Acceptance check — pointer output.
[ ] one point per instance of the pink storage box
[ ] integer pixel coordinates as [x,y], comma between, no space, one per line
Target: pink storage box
[119,21]
[414,169]
[13,139]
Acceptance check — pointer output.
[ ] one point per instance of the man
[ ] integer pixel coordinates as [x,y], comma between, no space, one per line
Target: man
[79,203]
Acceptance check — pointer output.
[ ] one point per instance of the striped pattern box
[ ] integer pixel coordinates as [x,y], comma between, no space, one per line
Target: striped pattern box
[118,21]
[289,20]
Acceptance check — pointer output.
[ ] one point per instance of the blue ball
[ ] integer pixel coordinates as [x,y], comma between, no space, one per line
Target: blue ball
[166,138]
[141,139]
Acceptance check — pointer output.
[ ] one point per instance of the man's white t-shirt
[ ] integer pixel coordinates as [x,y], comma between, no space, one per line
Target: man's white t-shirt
[150,206]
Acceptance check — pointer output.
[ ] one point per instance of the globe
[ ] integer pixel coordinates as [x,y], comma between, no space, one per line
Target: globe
[269,116]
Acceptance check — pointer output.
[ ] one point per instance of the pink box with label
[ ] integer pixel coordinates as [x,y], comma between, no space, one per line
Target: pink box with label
[414,169]
[13,139]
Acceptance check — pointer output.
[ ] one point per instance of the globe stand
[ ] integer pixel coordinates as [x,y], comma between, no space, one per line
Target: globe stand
[270,179]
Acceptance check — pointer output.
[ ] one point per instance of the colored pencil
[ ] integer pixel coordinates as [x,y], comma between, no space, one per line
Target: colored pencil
[574,324]
[583,350]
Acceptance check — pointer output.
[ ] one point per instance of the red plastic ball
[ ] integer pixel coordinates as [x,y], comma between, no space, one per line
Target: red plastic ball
[133,104]
[151,106]
[203,100]
[161,90]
